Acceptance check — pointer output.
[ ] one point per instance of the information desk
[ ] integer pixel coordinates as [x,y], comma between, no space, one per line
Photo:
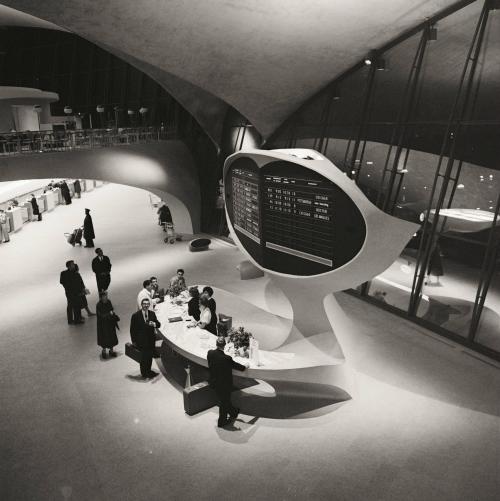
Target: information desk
[465,220]
[299,361]
[15,218]
[27,211]
[40,200]
[50,200]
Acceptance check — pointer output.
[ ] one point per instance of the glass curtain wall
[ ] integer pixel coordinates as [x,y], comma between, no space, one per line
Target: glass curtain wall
[418,131]
[84,76]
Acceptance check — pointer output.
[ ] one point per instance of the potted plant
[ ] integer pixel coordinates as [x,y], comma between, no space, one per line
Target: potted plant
[241,340]
[174,291]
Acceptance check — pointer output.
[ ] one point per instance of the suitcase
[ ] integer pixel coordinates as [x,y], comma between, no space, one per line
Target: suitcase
[78,236]
[133,352]
[198,397]
[75,237]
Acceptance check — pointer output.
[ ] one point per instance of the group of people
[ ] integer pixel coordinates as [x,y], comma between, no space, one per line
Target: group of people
[144,323]
[203,309]
[65,191]
[76,295]
[66,194]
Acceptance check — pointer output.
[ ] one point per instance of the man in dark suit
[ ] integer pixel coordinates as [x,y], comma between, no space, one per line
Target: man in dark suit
[221,368]
[101,266]
[142,331]
[74,288]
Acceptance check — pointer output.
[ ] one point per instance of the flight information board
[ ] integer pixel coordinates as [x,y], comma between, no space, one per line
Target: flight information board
[290,218]
[298,217]
[245,205]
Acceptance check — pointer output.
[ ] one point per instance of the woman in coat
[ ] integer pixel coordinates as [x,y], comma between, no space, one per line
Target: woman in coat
[107,322]
[78,188]
[65,192]
[36,209]
[84,305]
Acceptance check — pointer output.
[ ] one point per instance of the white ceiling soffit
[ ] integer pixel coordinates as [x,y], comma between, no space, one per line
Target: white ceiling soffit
[264,58]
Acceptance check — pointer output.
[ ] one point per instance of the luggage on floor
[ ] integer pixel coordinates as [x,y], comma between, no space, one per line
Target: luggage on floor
[75,237]
[136,354]
[78,236]
[133,352]
[198,398]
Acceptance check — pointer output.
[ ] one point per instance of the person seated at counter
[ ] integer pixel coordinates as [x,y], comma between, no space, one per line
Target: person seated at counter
[194,303]
[156,291]
[207,320]
[209,292]
[178,280]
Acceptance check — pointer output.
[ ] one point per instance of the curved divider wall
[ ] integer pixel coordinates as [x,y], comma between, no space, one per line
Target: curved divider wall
[166,168]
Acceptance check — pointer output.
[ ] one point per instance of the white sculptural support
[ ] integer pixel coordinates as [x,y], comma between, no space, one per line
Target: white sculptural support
[311,297]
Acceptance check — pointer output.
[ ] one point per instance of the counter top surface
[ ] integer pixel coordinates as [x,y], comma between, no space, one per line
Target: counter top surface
[194,343]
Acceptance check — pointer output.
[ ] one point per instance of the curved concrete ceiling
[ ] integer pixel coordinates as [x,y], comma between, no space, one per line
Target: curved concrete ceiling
[262,58]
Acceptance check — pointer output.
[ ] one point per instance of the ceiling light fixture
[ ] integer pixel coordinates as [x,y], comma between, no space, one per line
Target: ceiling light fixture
[432,35]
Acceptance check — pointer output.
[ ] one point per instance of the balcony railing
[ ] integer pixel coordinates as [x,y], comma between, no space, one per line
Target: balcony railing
[28,143]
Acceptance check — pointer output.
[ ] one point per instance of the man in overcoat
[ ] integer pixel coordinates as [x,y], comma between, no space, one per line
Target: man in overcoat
[88,229]
[74,288]
[101,266]
[143,325]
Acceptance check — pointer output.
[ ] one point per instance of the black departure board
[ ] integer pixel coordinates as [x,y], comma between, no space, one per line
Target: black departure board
[246,202]
[291,219]
[299,214]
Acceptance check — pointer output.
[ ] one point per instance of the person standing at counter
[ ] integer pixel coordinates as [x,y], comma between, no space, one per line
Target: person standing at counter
[146,293]
[194,303]
[65,192]
[78,188]
[88,229]
[4,227]
[107,323]
[207,320]
[73,285]
[36,209]
[143,325]
[209,292]
[101,266]
[221,368]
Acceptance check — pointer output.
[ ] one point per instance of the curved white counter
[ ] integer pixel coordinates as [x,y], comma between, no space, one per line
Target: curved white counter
[302,360]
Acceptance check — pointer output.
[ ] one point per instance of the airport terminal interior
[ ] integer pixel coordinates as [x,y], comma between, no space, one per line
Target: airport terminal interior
[329,170]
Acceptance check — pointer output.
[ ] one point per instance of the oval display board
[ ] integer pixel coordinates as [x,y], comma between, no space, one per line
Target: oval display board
[291,219]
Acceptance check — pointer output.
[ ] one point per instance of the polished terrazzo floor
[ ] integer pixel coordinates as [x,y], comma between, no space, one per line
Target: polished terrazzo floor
[424,426]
